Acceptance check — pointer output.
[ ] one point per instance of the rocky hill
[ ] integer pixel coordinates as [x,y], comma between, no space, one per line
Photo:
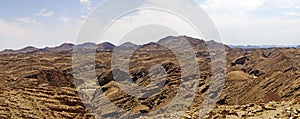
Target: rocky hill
[65,47]
[48,83]
[128,46]
[62,48]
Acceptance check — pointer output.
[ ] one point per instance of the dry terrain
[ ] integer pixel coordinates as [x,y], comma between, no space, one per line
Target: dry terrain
[51,83]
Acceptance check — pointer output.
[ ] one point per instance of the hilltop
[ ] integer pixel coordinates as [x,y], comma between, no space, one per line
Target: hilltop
[46,83]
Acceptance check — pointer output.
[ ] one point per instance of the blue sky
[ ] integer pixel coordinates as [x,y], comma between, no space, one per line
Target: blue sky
[11,9]
[240,22]
[48,12]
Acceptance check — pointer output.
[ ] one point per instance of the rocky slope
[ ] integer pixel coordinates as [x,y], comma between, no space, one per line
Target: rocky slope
[46,83]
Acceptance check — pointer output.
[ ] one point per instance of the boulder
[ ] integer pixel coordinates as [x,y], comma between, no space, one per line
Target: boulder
[239,61]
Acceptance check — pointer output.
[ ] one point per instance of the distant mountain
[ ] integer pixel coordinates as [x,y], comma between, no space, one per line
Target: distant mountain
[28,49]
[62,48]
[106,46]
[24,50]
[99,47]
[198,45]
[127,46]
[176,40]
[87,45]
[261,46]
[243,46]
[278,46]
[192,41]
[150,46]
[8,51]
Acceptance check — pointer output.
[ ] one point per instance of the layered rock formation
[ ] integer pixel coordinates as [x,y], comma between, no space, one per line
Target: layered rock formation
[48,83]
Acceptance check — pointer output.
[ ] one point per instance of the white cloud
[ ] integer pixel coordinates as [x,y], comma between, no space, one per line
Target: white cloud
[16,36]
[85,1]
[283,3]
[65,19]
[257,31]
[246,6]
[235,20]
[27,20]
[239,23]
[44,12]
[232,6]
[87,5]
[12,35]
[291,13]
[146,20]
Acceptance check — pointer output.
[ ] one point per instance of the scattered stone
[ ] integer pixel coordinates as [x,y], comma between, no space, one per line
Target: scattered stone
[141,108]
[298,110]
[239,61]
[269,106]
[288,111]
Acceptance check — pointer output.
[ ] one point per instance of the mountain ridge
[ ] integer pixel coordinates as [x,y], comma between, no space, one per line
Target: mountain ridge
[259,83]
[104,46]
[107,46]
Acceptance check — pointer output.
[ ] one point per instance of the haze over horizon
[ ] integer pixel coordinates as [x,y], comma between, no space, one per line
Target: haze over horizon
[51,23]
[145,43]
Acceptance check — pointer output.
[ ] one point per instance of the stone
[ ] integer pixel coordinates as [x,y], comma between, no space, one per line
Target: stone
[269,106]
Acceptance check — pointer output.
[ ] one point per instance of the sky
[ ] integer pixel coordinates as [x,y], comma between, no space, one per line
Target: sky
[239,22]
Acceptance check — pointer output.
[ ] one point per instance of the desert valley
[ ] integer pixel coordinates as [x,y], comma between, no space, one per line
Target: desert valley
[40,83]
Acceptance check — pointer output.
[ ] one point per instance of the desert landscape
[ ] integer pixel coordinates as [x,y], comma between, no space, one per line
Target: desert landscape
[47,83]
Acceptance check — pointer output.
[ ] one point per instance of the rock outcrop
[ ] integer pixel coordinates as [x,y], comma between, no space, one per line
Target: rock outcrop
[260,83]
